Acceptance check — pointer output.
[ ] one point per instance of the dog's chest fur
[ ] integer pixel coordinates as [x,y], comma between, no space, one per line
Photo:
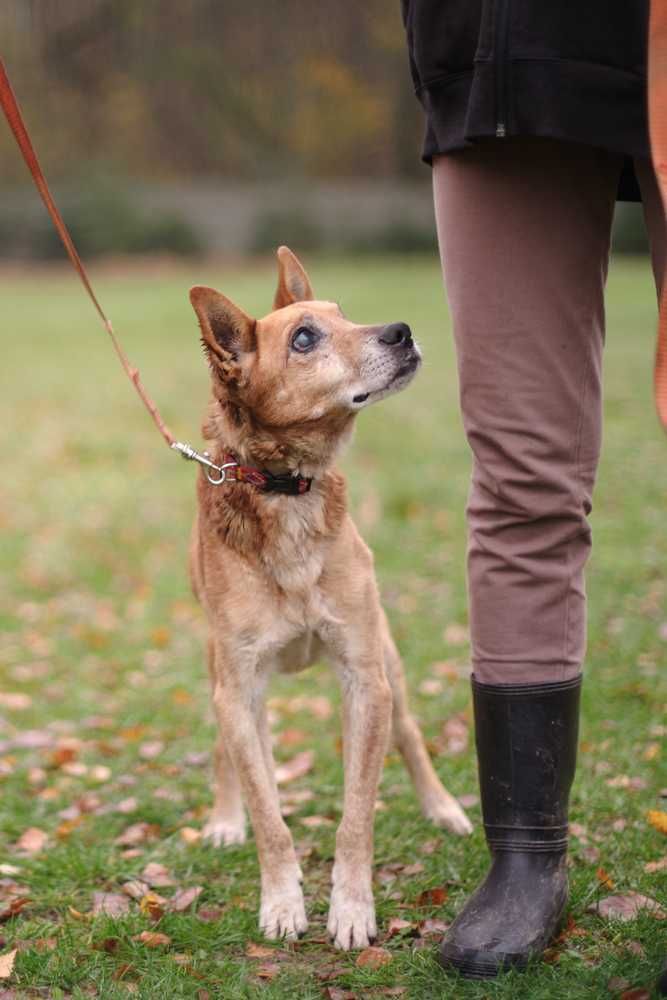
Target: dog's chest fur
[260,565]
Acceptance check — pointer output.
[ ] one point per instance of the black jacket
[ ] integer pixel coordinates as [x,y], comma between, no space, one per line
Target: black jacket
[567,69]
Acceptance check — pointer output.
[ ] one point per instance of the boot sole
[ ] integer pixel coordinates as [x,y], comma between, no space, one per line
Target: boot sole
[477,964]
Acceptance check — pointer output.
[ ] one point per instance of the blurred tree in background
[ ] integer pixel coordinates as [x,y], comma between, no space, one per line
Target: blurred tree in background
[202,87]
[191,125]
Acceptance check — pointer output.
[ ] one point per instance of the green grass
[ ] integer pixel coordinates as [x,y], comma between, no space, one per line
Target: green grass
[100,630]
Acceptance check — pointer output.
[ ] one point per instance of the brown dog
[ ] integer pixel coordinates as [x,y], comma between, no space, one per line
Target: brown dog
[285,580]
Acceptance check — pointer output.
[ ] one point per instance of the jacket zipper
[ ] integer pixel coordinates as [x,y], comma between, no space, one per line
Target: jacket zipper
[501,59]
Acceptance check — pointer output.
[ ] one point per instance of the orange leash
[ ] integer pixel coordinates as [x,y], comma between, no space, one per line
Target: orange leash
[657,113]
[15,119]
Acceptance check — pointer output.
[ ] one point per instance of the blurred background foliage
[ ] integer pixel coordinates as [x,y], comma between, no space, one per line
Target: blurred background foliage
[210,126]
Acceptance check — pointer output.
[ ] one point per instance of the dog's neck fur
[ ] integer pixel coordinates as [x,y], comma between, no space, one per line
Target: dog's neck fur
[309,451]
[252,523]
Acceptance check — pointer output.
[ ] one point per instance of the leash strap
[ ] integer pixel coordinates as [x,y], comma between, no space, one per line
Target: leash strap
[17,125]
[657,110]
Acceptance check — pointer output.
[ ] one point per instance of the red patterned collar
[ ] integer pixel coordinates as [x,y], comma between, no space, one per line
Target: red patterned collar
[231,471]
[262,479]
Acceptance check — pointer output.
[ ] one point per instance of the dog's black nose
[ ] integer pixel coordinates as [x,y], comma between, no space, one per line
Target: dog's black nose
[395,334]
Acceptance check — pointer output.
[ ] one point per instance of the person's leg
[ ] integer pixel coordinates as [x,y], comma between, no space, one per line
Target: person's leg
[655,217]
[524,230]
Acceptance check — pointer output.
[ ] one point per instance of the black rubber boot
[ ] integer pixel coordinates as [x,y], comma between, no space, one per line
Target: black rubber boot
[661,985]
[526,738]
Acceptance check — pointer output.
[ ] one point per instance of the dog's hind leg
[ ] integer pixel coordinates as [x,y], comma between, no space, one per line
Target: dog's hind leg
[226,824]
[436,802]
[282,911]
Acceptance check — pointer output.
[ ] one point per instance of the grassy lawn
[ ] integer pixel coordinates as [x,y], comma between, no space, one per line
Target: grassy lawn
[104,714]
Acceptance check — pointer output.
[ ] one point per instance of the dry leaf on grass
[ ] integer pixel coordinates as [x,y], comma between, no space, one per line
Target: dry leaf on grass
[138,833]
[657,819]
[157,875]
[152,939]
[433,897]
[32,840]
[314,821]
[454,736]
[189,835]
[433,927]
[267,970]
[13,907]
[135,889]
[184,898]
[656,866]
[398,926]
[111,904]
[373,958]
[299,765]
[209,914]
[7,963]
[456,635]
[605,880]
[153,905]
[627,907]
[151,749]
[638,993]
[254,950]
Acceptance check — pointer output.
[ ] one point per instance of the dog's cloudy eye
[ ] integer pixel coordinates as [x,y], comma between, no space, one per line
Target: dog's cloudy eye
[303,339]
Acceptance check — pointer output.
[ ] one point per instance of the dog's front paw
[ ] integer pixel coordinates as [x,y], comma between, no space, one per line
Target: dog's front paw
[218,831]
[282,912]
[446,813]
[351,922]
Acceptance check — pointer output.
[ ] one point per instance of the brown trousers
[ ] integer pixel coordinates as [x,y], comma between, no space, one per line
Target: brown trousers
[524,231]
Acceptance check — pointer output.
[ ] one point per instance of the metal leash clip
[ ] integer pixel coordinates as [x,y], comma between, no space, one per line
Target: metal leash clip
[192,455]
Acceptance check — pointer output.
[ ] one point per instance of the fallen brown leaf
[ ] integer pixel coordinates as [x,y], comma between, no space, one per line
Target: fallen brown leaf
[189,835]
[135,889]
[209,914]
[157,875]
[152,939]
[604,879]
[627,906]
[373,958]
[267,970]
[398,926]
[433,897]
[137,833]
[656,866]
[314,821]
[32,840]
[617,984]
[657,819]
[13,907]
[454,736]
[153,905]
[299,765]
[254,950]
[151,749]
[416,868]
[433,927]
[184,898]
[7,963]
[638,993]
[111,904]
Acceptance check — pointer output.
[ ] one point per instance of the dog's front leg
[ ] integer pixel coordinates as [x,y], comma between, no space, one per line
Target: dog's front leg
[282,912]
[366,724]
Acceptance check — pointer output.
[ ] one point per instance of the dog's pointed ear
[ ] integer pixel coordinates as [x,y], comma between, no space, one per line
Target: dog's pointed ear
[293,282]
[226,331]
